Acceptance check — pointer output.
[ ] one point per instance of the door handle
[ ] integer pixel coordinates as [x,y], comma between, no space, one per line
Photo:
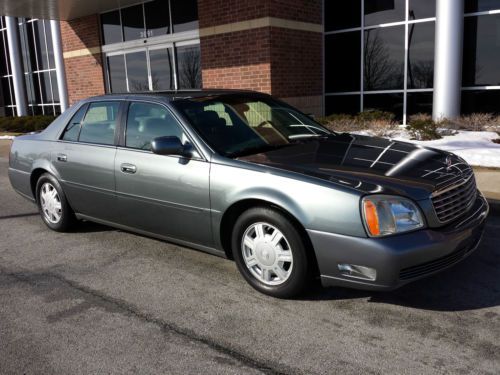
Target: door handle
[62,157]
[128,168]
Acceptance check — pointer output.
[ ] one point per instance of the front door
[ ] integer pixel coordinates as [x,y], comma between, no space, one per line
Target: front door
[165,195]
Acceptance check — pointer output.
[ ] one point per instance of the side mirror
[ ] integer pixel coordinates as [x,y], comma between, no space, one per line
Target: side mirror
[168,146]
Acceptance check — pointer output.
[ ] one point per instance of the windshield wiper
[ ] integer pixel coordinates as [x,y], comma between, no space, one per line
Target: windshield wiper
[297,137]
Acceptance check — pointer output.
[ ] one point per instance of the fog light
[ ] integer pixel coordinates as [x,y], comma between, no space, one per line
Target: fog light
[358,272]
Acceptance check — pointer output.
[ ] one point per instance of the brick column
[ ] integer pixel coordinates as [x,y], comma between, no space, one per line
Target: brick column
[273,46]
[82,57]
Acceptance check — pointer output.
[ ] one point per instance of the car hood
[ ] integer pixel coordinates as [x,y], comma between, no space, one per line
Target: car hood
[368,164]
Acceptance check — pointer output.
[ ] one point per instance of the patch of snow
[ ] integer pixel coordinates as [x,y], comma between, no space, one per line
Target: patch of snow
[7,137]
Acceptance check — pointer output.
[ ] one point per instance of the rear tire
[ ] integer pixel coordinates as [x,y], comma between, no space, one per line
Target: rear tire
[270,253]
[53,205]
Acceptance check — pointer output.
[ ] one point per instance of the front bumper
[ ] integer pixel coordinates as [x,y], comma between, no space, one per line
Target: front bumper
[402,258]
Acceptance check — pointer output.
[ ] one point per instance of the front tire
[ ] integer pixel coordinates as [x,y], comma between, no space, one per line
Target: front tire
[270,253]
[52,204]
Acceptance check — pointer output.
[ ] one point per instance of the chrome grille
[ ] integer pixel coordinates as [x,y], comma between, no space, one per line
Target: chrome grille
[455,200]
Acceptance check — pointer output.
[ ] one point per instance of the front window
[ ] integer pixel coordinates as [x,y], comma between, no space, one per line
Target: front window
[236,125]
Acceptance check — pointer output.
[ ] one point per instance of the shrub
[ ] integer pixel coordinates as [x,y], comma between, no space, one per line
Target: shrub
[476,122]
[372,116]
[377,121]
[421,127]
[340,123]
[25,124]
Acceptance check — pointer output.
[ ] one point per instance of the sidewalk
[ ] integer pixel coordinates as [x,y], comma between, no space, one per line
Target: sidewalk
[488,179]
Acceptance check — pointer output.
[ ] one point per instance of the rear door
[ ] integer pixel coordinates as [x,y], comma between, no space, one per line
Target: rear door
[84,159]
[162,194]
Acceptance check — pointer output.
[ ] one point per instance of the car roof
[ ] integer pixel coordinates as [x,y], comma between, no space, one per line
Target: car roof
[174,94]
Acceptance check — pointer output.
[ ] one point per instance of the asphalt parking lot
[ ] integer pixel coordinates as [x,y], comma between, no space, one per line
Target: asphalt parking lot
[100,300]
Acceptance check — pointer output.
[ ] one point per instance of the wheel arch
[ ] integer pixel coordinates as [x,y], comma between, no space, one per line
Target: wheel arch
[237,208]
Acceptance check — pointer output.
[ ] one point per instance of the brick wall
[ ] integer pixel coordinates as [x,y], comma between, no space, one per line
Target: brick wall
[82,57]
[281,61]
[237,60]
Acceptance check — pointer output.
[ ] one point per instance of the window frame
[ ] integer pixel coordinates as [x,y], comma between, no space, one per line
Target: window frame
[121,141]
[87,105]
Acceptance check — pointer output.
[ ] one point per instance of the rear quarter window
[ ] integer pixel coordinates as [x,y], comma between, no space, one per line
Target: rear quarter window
[99,123]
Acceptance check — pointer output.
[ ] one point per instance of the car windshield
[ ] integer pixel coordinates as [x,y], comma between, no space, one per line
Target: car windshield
[236,125]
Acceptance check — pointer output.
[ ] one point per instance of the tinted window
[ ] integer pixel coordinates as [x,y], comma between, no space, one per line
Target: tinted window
[422,9]
[421,55]
[41,47]
[146,122]
[100,123]
[117,77]
[342,104]
[418,102]
[184,15]
[342,62]
[162,67]
[384,58]
[342,14]
[481,51]
[111,27]
[189,67]
[385,102]
[480,101]
[73,128]
[137,71]
[157,17]
[481,5]
[384,11]
[133,22]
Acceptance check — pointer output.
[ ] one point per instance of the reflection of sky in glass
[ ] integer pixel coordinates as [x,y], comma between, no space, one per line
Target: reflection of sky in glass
[137,71]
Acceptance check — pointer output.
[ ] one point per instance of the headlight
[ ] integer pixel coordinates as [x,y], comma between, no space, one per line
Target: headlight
[385,215]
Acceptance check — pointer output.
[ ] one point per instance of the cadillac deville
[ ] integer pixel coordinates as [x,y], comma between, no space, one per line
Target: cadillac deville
[243,175]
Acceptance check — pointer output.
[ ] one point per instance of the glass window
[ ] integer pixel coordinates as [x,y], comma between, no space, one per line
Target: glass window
[146,122]
[384,11]
[184,15]
[418,102]
[3,57]
[133,22]
[73,128]
[50,47]
[480,101]
[45,87]
[385,102]
[242,125]
[41,46]
[342,62]
[5,93]
[161,64]
[137,71]
[111,27]
[157,17]
[55,89]
[117,77]
[481,5]
[99,123]
[421,55]
[481,51]
[189,67]
[421,9]
[342,14]
[384,58]
[348,104]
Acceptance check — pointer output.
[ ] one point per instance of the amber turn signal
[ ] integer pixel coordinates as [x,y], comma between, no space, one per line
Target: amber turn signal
[371,217]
